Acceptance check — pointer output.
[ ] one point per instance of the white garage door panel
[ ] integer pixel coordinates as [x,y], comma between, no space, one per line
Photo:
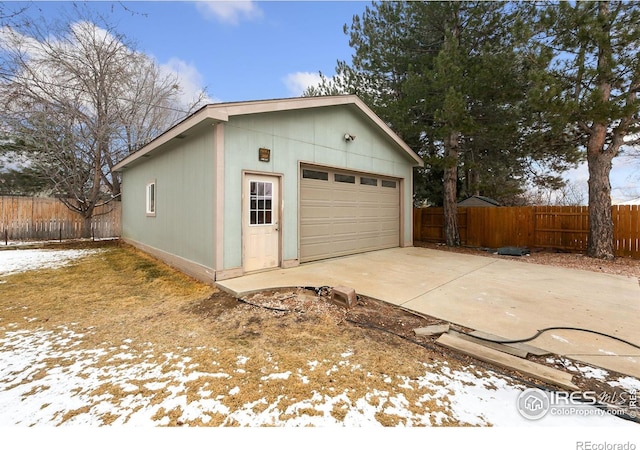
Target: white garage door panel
[339,218]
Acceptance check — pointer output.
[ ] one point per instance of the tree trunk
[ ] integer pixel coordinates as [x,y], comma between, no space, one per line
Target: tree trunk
[472,175]
[86,226]
[473,183]
[450,203]
[115,183]
[600,242]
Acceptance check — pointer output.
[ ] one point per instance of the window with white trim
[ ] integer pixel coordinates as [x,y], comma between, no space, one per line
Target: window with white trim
[151,199]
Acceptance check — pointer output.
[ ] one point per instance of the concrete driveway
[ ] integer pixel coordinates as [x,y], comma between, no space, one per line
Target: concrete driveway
[507,298]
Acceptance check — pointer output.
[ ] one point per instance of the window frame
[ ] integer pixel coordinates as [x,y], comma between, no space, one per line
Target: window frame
[151,199]
[261,201]
[344,178]
[368,181]
[315,174]
[391,184]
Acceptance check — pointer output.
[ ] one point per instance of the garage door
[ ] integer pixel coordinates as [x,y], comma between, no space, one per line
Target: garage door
[344,212]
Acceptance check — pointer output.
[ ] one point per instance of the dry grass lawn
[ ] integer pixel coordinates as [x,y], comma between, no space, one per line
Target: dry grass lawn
[122,298]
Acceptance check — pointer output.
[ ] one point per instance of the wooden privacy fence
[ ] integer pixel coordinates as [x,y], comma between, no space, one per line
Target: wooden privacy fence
[27,218]
[556,227]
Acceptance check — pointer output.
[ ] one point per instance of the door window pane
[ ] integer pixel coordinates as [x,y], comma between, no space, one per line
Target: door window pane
[260,203]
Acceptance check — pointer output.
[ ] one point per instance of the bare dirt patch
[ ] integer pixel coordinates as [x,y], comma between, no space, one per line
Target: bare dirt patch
[387,324]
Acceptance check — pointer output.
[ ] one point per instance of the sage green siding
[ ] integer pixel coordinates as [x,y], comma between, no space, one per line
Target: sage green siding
[311,136]
[184,168]
[183,224]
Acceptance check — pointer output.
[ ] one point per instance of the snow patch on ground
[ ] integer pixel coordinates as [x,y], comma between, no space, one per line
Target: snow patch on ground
[32,392]
[16,261]
[593,372]
[628,384]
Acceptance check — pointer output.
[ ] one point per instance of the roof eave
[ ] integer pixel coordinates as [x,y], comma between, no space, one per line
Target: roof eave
[221,112]
[205,113]
[264,106]
[380,123]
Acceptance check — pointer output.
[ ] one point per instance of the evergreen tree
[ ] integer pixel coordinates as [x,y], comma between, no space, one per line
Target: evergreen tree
[595,85]
[17,175]
[454,79]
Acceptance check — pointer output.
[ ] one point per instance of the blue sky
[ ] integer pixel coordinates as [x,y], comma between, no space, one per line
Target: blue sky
[250,50]
[238,50]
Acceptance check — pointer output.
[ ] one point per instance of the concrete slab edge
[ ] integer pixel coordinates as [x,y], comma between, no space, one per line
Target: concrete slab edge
[432,330]
[239,294]
[520,353]
[520,345]
[538,371]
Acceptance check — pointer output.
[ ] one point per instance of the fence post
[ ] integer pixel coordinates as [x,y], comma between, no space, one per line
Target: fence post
[417,221]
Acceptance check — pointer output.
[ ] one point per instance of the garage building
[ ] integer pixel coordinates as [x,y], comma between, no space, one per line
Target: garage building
[249,186]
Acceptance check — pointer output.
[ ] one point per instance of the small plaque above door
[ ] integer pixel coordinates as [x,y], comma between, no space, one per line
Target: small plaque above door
[264,154]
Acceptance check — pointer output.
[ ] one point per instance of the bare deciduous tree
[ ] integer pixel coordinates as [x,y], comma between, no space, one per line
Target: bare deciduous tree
[570,194]
[81,98]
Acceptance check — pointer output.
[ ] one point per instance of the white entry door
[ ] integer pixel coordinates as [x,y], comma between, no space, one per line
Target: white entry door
[261,222]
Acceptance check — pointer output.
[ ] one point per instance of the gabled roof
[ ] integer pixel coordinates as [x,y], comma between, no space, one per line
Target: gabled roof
[220,112]
[481,198]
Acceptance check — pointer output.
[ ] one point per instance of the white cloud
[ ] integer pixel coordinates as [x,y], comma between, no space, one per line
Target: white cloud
[188,77]
[190,80]
[299,81]
[624,177]
[229,11]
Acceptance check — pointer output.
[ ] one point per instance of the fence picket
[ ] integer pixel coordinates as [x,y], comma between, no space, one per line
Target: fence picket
[556,227]
[28,218]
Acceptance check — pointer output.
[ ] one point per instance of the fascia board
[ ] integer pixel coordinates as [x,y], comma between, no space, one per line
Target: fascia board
[287,104]
[208,112]
[244,108]
[384,127]
[222,112]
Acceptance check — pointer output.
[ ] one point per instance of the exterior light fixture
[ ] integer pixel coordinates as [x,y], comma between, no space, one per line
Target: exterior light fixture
[349,137]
